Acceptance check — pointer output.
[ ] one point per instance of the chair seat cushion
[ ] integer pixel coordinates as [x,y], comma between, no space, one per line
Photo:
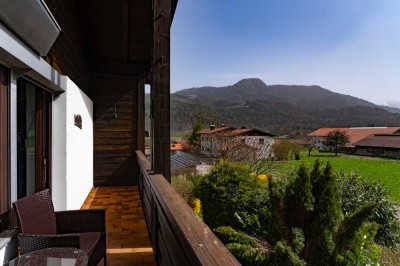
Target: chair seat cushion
[88,241]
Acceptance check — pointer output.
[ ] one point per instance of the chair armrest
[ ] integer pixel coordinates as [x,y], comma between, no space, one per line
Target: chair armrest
[29,243]
[81,221]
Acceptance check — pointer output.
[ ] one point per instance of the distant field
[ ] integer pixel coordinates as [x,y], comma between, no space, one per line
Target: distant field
[385,170]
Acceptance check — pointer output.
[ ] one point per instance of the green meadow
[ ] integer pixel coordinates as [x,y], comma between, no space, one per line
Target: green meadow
[386,171]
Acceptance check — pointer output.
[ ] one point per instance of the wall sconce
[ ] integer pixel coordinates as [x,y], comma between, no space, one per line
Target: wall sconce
[78,121]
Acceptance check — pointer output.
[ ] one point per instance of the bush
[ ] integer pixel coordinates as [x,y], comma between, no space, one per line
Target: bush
[390,256]
[184,187]
[299,221]
[356,190]
[248,250]
[285,150]
[229,190]
[282,150]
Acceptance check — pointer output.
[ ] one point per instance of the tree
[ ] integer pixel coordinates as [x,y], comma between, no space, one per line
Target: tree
[310,146]
[297,223]
[335,139]
[193,137]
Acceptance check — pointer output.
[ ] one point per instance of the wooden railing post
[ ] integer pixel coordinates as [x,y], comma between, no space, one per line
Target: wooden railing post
[160,88]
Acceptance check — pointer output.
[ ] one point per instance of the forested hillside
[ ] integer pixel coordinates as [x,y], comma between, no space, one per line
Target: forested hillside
[281,109]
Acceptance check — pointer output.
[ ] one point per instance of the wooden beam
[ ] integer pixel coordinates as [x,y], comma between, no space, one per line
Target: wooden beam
[160,88]
[141,109]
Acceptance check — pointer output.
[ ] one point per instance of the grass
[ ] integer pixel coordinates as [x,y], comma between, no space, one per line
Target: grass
[384,170]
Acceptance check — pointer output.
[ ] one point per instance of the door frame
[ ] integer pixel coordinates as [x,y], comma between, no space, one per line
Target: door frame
[43,132]
[14,76]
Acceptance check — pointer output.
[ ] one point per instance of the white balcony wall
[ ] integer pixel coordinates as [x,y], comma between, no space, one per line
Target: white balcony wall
[72,147]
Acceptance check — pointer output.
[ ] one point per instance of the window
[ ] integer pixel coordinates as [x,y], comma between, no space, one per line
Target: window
[261,141]
[242,140]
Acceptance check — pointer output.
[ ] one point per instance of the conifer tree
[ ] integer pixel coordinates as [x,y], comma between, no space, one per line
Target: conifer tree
[327,217]
[316,176]
[299,199]
[276,228]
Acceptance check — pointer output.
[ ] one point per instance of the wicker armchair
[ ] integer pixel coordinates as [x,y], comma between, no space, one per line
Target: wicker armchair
[42,227]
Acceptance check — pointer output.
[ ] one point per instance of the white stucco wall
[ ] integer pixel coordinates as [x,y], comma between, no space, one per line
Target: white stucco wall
[72,158]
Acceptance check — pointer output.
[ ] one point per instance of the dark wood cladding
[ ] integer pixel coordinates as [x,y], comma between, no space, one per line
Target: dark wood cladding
[178,235]
[69,54]
[140,109]
[4,92]
[160,88]
[115,130]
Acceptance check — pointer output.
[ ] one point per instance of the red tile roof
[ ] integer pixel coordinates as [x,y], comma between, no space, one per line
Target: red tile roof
[380,141]
[248,130]
[212,131]
[355,133]
[235,131]
[177,147]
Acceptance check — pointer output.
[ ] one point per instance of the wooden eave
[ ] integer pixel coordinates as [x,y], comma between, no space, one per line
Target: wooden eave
[102,37]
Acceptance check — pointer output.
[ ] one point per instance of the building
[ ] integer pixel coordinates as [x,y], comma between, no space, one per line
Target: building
[72,83]
[353,133]
[383,145]
[218,140]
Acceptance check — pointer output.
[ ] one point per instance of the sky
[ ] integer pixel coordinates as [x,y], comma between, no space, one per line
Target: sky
[347,46]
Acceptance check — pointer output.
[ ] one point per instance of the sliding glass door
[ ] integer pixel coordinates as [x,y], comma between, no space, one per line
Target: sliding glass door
[33,131]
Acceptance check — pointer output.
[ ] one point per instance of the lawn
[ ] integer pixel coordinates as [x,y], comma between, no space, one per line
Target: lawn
[384,170]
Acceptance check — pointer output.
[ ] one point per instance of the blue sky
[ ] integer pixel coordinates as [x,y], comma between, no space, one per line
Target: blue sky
[347,46]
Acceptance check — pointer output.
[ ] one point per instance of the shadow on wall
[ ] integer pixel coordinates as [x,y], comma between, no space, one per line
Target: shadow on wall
[115,113]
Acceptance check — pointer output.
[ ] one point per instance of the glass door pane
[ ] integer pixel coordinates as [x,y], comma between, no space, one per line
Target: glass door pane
[32,138]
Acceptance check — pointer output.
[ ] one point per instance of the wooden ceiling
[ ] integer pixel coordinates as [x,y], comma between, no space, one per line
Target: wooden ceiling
[118,32]
[102,36]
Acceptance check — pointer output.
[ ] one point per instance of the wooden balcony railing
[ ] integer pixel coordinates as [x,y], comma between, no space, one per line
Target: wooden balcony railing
[178,235]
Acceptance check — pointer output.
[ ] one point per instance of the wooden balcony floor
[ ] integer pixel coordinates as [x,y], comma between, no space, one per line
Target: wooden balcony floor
[127,237]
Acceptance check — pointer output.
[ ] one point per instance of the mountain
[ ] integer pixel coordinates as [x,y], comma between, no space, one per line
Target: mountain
[280,109]
[391,109]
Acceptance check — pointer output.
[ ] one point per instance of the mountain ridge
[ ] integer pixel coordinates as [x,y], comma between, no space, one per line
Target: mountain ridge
[281,109]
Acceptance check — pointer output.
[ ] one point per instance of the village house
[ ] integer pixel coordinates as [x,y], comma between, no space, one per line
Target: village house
[354,135]
[217,140]
[383,145]
[72,125]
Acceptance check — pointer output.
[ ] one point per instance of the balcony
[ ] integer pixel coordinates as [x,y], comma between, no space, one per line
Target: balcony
[128,242]
[151,224]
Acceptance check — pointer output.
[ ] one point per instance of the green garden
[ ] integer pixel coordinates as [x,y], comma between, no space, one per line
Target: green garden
[385,171]
[304,211]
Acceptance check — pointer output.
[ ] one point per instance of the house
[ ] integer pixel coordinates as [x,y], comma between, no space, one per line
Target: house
[210,139]
[217,140]
[384,145]
[353,133]
[72,117]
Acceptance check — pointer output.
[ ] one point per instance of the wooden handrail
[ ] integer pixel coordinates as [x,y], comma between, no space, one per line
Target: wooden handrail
[143,161]
[178,235]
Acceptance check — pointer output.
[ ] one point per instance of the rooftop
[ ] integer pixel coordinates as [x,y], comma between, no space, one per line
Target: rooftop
[381,141]
[355,134]
[181,159]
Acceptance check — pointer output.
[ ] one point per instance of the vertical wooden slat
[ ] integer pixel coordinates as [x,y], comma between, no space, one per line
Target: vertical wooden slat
[140,109]
[4,74]
[160,88]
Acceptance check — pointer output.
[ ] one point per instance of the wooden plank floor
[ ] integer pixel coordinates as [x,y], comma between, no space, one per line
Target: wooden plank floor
[127,237]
